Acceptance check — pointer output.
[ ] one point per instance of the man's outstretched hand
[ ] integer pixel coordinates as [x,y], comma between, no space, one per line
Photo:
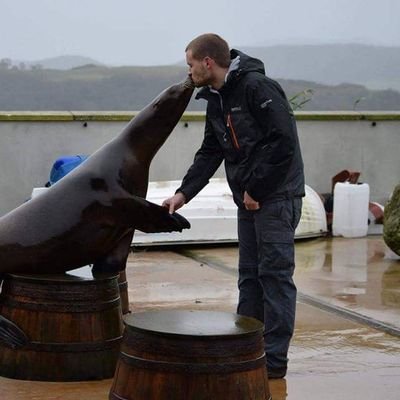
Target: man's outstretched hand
[175,202]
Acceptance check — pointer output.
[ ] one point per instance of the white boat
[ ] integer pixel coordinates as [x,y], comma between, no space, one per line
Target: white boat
[213,214]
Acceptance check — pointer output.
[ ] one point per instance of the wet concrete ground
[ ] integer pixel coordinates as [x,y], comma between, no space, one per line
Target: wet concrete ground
[349,299]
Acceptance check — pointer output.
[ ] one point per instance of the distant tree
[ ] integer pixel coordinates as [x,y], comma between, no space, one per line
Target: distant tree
[5,63]
[35,67]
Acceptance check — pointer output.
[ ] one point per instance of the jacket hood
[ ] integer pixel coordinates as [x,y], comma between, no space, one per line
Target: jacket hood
[245,64]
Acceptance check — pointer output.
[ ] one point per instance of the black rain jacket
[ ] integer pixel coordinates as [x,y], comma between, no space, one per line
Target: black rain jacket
[249,125]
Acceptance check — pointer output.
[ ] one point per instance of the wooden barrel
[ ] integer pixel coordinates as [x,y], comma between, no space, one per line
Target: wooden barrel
[123,292]
[196,355]
[73,323]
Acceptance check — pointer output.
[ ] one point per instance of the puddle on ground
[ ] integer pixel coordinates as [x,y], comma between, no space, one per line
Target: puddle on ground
[358,274]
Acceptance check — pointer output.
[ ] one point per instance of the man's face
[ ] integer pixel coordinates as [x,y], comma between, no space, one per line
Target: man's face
[198,70]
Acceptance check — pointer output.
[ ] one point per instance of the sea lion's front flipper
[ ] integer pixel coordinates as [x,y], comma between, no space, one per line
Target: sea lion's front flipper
[11,335]
[152,218]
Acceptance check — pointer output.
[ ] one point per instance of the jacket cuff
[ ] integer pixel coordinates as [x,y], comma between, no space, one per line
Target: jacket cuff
[187,199]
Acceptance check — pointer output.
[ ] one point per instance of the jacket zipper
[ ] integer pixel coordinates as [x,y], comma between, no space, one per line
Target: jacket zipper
[232,132]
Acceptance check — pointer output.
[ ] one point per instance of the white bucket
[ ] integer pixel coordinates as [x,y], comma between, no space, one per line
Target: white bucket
[350,209]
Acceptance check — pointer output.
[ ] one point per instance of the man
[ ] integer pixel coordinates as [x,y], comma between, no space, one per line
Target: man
[250,125]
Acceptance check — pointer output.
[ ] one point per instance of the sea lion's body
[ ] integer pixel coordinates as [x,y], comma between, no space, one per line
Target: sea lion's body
[89,216]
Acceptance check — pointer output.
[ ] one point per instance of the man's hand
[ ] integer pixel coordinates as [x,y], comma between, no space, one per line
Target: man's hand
[250,203]
[175,202]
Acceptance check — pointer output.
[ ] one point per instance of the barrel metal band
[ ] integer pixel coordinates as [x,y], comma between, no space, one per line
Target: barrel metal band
[62,307]
[115,396]
[193,368]
[74,347]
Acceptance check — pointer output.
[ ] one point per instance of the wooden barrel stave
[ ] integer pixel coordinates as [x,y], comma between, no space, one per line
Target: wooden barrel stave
[123,291]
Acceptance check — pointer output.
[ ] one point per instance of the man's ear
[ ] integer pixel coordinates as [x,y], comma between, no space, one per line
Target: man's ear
[209,62]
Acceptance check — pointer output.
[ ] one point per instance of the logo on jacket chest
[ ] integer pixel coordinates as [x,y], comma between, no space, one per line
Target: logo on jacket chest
[236,109]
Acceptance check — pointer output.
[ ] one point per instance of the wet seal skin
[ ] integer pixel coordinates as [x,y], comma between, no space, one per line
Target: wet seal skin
[89,216]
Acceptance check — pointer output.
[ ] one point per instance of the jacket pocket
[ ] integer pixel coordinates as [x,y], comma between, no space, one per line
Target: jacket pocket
[244,132]
[222,134]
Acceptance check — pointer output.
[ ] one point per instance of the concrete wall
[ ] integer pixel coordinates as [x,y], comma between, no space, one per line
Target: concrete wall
[30,142]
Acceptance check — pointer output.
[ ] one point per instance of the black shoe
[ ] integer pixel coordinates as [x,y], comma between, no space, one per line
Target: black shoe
[276,373]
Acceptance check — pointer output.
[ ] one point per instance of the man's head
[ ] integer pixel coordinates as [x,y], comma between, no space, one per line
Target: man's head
[208,58]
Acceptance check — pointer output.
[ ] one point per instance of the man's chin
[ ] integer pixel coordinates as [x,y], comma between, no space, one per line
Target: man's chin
[200,84]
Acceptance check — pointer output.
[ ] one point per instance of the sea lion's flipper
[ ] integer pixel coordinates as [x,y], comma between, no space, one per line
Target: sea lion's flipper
[115,261]
[152,218]
[11,335]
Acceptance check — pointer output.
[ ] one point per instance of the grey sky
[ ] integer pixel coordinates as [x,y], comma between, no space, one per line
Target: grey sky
[146,32]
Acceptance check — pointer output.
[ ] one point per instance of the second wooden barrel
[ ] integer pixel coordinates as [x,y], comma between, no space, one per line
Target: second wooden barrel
[191,355]
[73,323]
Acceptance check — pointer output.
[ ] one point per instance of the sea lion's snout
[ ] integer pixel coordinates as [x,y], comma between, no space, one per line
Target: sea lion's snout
[188,83]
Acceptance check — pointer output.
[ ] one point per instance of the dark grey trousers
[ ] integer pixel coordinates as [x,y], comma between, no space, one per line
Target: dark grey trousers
[266,265]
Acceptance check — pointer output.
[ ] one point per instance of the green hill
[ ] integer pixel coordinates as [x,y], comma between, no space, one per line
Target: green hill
[100,88]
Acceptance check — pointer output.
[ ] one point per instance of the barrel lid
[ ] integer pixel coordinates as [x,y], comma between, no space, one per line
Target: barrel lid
[193,323]
[83,274]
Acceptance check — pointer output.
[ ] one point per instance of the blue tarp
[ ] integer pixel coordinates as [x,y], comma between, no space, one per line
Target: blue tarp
[63,165]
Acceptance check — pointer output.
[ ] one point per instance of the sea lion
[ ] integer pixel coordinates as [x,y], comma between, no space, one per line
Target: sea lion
[90,215]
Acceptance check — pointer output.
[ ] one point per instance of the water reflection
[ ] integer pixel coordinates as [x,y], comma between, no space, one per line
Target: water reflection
[391,286]
[359,274]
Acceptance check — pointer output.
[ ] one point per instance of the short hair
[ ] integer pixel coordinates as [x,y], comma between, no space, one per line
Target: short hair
[210,45]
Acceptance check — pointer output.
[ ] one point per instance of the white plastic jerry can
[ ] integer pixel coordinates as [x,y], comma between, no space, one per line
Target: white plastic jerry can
[350,209]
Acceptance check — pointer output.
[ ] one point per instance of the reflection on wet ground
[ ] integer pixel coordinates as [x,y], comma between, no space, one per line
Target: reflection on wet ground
[360,275]
[333,355]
